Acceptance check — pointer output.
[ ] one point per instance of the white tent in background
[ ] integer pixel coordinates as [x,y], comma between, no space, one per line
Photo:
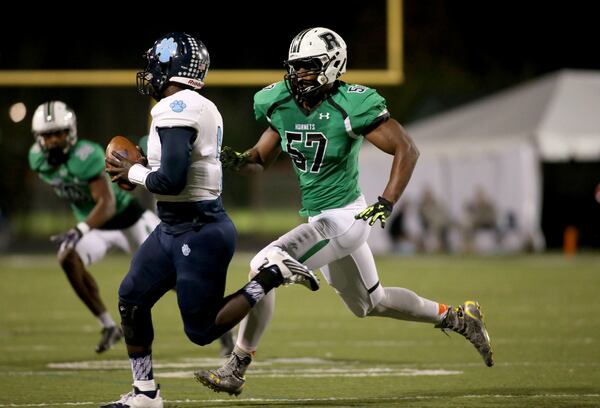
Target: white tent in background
[498,143]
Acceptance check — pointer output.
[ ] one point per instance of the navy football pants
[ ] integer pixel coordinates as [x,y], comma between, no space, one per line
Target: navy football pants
[195,263]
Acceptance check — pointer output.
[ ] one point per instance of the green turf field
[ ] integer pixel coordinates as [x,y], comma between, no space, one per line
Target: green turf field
[542,312]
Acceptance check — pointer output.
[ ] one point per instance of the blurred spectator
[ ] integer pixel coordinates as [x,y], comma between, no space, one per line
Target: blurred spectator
[435,222]
[402,241]
[482,232]
[512,236]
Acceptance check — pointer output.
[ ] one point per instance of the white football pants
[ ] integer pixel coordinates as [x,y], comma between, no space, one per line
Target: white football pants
[336,243]
[93,246]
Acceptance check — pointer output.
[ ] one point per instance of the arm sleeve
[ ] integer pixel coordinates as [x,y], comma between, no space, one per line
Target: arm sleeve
[176,149]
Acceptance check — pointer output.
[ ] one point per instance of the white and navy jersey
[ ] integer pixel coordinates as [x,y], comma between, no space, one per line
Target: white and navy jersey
[190,109]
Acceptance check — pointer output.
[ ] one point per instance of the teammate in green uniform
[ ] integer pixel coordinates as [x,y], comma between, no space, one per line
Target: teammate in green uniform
[106,216]
[321,122]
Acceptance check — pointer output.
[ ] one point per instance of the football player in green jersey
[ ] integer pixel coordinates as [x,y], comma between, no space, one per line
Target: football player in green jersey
[107,216]
[321,122]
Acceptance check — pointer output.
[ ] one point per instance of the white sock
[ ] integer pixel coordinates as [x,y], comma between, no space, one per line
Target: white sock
[253,326]
[106,320]
[241,352]
[404,304]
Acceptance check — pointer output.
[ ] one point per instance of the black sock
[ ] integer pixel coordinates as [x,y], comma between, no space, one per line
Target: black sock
[269,278]
[149,394]
[262,283]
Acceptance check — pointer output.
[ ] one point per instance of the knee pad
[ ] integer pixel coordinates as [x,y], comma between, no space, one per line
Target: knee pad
[136,321]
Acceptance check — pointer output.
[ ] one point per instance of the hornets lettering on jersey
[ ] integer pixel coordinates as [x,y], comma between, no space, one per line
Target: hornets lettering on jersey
[70,180]
[325,143]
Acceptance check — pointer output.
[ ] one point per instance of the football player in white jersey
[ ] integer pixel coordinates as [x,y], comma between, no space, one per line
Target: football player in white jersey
[192,246]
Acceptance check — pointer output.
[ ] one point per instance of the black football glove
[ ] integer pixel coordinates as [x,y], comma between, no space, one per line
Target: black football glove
[230,159]
[378,211]
[67,240]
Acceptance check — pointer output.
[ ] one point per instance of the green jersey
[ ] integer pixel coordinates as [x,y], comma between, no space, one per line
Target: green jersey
[71,180]
[323,143]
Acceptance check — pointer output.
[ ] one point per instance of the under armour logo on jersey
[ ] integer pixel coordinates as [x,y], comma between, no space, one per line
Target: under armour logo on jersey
[324,115]
[178,106]
[185,250]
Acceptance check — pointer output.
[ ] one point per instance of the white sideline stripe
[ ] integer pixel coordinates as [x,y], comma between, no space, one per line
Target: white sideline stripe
[326,373]
[281,373]
[581,341]
[185,363]
[331,399]
[433,342]
[215,362]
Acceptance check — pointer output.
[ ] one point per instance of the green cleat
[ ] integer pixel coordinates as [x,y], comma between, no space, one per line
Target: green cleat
[467,319]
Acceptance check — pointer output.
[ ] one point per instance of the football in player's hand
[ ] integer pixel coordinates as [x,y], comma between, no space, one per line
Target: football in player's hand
[127,149]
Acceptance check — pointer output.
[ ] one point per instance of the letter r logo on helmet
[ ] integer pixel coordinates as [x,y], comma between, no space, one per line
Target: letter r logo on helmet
[330,41]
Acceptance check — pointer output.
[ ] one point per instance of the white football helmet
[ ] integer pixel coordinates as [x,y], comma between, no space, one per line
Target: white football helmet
[320,51]
[54,116]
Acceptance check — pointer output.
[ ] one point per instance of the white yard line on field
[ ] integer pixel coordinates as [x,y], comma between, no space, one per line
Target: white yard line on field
[196,363]
[324,373]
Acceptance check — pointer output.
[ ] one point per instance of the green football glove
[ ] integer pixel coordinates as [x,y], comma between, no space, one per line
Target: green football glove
[378,211]
[230,159]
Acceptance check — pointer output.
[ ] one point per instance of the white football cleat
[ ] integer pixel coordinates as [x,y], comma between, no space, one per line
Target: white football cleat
[135,399]
[293,272]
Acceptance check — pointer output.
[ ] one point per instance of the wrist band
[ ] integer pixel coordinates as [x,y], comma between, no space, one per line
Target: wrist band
[137,174]
[83,228]
[386,202]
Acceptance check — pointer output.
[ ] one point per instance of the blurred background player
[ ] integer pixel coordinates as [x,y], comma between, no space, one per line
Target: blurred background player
[107,216]
[192,246]
[320,123]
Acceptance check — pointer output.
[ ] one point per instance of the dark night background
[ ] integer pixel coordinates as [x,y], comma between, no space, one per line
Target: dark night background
[454,52]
